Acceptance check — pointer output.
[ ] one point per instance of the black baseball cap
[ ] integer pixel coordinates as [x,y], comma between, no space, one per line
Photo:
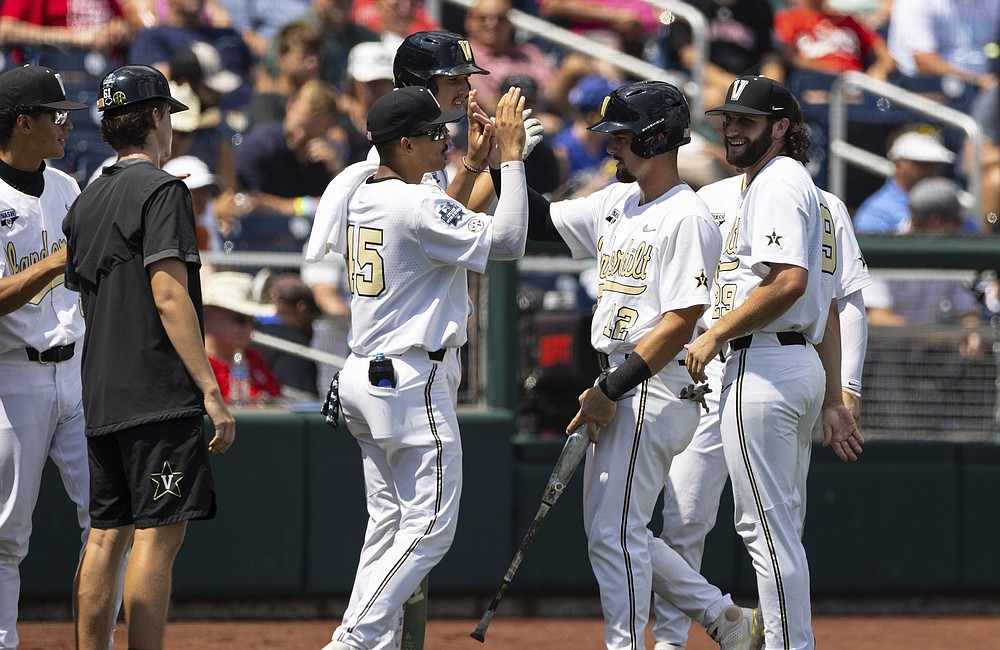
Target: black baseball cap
[405,111]
[35,86]
[753,95]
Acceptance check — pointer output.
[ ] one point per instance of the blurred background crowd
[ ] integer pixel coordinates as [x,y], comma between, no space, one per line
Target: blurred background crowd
[279,92]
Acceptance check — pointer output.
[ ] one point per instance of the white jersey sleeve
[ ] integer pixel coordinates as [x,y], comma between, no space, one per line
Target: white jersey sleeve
[577,221]
[852,270]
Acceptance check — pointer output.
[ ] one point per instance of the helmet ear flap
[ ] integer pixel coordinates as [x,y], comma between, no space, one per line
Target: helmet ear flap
[650,146]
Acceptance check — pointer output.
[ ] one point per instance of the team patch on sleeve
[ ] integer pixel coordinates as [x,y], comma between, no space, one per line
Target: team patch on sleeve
[450,213]
[7,218]
[475,225]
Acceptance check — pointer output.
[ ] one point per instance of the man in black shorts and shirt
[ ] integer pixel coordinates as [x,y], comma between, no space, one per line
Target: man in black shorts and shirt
[147,382]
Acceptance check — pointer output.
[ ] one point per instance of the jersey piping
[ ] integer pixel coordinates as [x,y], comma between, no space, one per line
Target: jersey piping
[438,495]
[756,495]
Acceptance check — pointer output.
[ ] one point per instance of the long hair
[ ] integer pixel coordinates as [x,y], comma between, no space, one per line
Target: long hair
[797,136]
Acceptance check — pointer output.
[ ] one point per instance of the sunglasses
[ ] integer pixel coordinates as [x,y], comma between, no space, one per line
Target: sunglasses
[439,133]
[60,117]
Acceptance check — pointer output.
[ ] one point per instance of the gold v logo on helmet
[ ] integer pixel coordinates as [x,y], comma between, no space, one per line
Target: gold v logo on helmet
[466,49]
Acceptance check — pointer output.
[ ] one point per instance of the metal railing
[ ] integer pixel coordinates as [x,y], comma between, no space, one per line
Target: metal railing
[842,152]
[635,66]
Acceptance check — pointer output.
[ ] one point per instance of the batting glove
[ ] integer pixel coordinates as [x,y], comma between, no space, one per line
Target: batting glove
[534,132]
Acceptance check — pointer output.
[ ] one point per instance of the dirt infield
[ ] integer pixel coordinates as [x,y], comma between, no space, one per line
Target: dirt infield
[832,633]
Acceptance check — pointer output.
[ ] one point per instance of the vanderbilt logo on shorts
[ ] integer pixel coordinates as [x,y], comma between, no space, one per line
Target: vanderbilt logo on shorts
[166,482]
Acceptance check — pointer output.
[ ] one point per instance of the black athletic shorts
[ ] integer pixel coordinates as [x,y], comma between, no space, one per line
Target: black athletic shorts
[151,475]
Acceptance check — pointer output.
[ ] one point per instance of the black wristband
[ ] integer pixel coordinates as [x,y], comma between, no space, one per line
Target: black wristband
[625,377]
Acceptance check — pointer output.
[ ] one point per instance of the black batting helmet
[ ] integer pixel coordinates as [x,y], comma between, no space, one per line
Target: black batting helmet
[647,108]
[134,83]
[422,55]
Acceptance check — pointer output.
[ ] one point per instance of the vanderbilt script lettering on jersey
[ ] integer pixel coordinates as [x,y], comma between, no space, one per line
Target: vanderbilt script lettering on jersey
[18,261]
[628,263]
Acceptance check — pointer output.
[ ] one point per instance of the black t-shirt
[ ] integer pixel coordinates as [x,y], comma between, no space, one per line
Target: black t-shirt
[739,36]
[128,218]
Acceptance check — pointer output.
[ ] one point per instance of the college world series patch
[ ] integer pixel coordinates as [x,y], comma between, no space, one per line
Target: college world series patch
[450,213]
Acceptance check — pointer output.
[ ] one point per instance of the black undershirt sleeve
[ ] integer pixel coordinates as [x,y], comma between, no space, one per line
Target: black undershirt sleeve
[540,226]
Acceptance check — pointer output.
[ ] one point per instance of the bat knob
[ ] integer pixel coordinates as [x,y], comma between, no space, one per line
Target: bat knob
[478,636]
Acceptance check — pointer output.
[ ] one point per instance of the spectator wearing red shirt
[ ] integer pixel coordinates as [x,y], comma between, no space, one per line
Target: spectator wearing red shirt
[83,24]
[818,38]
[229,315]
[393,20]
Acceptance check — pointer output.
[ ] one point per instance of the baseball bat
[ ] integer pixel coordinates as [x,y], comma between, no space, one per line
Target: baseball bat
[570,457]
[415,618]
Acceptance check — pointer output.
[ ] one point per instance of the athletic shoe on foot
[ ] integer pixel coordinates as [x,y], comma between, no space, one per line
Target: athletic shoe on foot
[732,630]
[757,630]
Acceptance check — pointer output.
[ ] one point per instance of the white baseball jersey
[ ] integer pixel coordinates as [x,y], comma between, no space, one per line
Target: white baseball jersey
[30,229]
[763,232]
[409,248]
[698,474]
[647,266]
[653,258]
[723,197]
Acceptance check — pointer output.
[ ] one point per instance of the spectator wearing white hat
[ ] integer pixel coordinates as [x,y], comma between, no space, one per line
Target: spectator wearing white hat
[915,156]
[369,76]
[204,186]
[229,319]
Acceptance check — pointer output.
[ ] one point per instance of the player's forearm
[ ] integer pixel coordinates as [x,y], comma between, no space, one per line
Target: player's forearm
[772,298]
[665,341]
[510,223]
[16,290]
[853,341]
[180,321]
[829,353]
[460,187]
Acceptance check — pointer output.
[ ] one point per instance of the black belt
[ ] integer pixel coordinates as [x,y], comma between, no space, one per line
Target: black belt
[784,338]
[53,354]
[603,362]
[437,355]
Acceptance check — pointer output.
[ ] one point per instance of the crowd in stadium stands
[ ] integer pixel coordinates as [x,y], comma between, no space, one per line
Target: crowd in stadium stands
[279,93]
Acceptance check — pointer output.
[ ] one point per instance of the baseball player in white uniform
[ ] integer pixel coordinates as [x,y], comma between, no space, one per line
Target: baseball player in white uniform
[408,245]
[657,249]
[698,474]
[772,307]
[41,414]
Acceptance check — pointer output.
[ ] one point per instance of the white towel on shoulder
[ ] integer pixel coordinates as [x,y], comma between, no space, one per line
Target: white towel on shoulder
[330,222]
